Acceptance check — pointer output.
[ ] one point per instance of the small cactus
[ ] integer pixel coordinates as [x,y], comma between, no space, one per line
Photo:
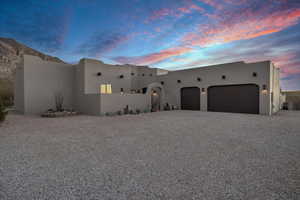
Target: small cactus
[3,112]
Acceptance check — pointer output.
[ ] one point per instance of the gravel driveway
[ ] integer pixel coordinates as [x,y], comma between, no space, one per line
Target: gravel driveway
[167,155]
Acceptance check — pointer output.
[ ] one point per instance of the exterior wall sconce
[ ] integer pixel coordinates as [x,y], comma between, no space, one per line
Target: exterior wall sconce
[162,82]
[254,74]
[223,77]
[99,74]
[203,91]
[198,79]
[264,89]
[154,93]
[178,81]
[121,76]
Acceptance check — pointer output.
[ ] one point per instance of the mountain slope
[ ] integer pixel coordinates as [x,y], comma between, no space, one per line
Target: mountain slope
[11,53]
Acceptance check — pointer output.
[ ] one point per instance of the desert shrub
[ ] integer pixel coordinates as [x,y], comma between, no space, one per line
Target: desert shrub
[6,92]
[119,112]
[126,110]
[167,107]
[3,112]
[146,110]
[113,114]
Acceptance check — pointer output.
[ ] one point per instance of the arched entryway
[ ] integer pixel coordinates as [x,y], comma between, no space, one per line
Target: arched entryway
[156,93]
[155,99]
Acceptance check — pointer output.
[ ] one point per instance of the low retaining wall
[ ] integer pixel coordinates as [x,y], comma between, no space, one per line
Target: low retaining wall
[117,102]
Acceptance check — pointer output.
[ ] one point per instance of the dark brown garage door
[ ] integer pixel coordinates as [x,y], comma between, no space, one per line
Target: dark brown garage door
[190,98]
[234,98]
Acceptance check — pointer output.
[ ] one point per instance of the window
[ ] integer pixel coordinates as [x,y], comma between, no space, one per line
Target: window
[144,90]
[105,89]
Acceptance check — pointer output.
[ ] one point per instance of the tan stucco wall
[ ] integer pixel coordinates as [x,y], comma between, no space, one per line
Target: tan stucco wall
[19,89]
[293,99]
[41,80]
[275,88]
[84,103]
[117,102]
[81,85]
[111,75]
[236,73]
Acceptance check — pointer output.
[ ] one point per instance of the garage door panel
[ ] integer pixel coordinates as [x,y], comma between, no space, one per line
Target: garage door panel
[190,98]
[234,98]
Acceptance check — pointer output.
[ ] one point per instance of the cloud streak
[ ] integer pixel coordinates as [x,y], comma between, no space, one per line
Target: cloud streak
[153,57]
[176,12]
[249,27]
[101,43]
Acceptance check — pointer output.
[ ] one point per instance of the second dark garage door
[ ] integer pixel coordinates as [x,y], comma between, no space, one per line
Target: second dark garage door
[234,98]
[190,98]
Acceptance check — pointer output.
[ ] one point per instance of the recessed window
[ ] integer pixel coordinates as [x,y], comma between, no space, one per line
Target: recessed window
[178,81]
[144,90]
[132,74]
[105,89]
[121,76]
[254,74]
[99,74]
[223,77]
[121,90]
[143,74]
[162,82]
[199,79]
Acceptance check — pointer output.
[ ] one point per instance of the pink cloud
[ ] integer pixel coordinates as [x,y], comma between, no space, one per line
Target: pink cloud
[153,57]
[160,14]
[213,3]
[248,28]
[289,64]
[178,12]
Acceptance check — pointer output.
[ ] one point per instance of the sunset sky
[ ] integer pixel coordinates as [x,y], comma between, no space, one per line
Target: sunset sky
[169,34]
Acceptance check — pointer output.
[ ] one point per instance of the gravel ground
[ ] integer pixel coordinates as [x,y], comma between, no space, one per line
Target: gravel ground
[166,155]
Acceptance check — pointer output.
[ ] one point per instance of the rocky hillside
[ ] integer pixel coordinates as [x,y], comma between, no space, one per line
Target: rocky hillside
[11,53]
